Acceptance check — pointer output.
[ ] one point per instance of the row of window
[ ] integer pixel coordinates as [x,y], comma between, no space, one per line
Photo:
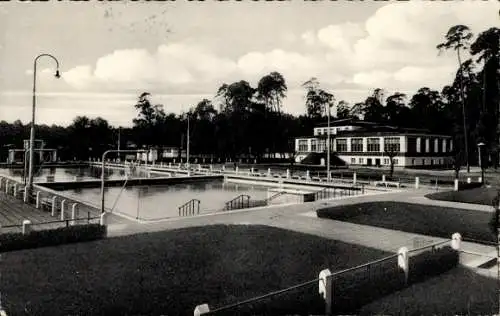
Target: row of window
[361,161]
[373,145]
[436,148]
[391,144]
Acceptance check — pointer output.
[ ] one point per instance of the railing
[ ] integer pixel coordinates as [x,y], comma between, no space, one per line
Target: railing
[53,224]
[272,197]
[239,202]
[190,208]
[341,284]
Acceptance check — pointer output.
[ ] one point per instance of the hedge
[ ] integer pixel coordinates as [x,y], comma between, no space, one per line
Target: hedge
[52,237]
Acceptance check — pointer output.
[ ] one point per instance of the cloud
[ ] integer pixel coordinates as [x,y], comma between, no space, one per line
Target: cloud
[309,38]
[395,48]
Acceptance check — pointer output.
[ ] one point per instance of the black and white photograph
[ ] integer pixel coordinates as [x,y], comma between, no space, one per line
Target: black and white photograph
[246,157]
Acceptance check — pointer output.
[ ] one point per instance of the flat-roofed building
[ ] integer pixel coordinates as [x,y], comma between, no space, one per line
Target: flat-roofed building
[371,144]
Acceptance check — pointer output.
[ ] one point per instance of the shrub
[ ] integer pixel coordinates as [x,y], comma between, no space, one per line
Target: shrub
[51,237]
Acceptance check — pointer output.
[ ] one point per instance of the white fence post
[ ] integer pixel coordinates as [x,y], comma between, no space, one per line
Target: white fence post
[201,310]
[308,175]
[403,261]
[268,172]
[54,201]
[417,182]
[237,169]
[468,180]
[15,190]
[37,205]
[102,220]
[456,241]
[74,213]
[383,178]
[26,226]
[25,194]
[288,173]
[480,179]
[223,168]
[7,186]
[63,209]
[455,186]
[326,289]
[354,178]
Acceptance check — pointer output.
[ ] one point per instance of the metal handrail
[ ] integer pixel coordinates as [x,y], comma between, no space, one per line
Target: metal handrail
[188,208]
[272,197]
[241,197]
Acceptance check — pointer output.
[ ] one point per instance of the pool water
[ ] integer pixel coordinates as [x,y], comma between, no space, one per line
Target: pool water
[162,201]
[69,174]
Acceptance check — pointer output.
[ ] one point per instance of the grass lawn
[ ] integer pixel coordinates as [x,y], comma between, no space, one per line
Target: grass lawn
[415,218]
[172,272]
[482,195]
[458,292]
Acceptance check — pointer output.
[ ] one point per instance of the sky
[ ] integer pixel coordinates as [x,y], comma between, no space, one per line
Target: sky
[182,51]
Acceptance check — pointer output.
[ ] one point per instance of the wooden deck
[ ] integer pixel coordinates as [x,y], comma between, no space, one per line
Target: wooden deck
[14,211]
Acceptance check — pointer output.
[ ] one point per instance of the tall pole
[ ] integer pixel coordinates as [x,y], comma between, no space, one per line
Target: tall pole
[32,131]
[328,177]
[119,137]
[187,150]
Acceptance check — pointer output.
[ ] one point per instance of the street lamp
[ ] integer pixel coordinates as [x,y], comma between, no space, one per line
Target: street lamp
[481,145]
[32,133]
[103,168]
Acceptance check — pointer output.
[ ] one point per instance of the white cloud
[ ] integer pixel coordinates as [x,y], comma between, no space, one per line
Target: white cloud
[309,38]
[340,37]
[394,49]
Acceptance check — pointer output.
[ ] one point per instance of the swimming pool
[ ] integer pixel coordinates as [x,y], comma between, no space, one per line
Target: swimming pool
[163,201]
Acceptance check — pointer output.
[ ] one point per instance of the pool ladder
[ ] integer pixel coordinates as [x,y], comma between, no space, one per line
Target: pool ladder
[190,208]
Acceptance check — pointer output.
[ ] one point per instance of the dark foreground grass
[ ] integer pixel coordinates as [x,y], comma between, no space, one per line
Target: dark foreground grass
[458,292]
[482,196]
[169,273]
[416,218]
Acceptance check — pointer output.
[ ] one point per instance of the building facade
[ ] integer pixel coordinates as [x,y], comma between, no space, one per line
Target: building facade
[370,144]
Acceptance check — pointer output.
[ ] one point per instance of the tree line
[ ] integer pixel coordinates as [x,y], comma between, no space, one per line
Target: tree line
[243,120]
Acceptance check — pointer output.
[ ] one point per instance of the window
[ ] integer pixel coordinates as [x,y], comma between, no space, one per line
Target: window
[392,144]
[341,145]
[386,161]
[357,144]
[423,162]
[436,145]
[444,145]
[314,145]
[353,160]
[373,144]
[361,160]
[427,145]
[395,161]
[302,144]
[419,144]
[322,145]
[413,161]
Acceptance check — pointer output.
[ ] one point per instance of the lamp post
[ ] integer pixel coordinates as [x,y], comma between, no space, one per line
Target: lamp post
[103,168]
[187,150]
[32,132]
[328,175]
[480,146]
